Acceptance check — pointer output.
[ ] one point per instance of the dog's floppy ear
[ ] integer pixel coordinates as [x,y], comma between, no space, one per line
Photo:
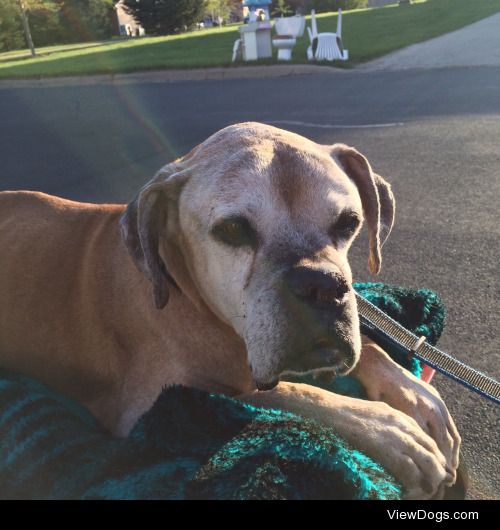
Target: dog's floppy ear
[376,197]
[144,222]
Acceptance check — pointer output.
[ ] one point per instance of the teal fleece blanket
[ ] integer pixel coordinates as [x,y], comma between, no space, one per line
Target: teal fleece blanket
[192,444]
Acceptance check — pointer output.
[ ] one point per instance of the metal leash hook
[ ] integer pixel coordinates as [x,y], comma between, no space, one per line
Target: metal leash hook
[417,345]
[375,323]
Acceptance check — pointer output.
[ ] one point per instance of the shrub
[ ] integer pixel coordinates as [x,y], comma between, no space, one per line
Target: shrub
[163,17]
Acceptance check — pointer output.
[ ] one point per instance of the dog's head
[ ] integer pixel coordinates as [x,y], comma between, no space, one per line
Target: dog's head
[256,223]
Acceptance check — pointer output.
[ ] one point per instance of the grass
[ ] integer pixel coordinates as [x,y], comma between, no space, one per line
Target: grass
[371,33]
[367,33]
[48,50]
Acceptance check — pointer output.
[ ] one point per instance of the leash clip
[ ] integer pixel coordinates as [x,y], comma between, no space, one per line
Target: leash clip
[414,349]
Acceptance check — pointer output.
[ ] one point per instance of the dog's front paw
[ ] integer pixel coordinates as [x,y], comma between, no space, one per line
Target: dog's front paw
[403,391]
[385,434]
[404,449]
[423,403]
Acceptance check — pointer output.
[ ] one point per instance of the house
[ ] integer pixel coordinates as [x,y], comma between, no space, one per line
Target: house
[125,24]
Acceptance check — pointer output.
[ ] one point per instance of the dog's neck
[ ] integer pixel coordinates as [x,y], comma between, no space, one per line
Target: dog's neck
[209,353]
[132,350]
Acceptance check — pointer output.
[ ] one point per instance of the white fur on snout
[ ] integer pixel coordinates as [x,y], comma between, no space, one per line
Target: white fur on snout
[219,271]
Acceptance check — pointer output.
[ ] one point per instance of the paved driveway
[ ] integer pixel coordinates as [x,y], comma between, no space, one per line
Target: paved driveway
[474,45]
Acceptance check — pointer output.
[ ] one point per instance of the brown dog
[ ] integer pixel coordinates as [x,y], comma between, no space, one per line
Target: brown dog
[246,238]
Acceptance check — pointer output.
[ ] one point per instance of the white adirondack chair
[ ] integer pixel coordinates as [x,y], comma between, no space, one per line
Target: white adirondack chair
[326,46]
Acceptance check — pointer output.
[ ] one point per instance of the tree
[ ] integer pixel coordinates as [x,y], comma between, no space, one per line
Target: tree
[218,9]
[44,21]
[83,20]
[11,29]
[55,21]
[26,28]
[163,17]
[281,9]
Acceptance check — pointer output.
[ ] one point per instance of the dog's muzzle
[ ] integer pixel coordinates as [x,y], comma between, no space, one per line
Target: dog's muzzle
[316,302]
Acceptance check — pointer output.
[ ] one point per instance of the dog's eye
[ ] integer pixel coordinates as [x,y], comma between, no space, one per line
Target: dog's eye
[345,226]
[235,232]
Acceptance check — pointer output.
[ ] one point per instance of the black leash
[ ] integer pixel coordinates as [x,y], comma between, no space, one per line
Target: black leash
[377,324]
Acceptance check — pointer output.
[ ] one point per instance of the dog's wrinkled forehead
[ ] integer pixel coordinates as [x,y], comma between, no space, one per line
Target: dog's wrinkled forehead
[253,163]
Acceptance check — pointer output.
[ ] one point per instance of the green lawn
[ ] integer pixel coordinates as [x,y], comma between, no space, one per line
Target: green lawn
[48,50]
[367,33]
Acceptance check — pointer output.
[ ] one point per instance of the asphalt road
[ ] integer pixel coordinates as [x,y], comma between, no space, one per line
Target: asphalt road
[441,151]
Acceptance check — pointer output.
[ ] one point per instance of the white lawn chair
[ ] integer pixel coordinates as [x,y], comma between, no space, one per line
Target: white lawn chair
[326,46]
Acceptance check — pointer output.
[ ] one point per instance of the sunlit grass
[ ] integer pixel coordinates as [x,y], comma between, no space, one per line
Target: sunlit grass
[189,50]
[47,50]
[367,33]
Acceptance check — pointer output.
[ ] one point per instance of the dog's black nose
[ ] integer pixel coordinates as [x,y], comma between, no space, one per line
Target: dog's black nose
[322,289]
